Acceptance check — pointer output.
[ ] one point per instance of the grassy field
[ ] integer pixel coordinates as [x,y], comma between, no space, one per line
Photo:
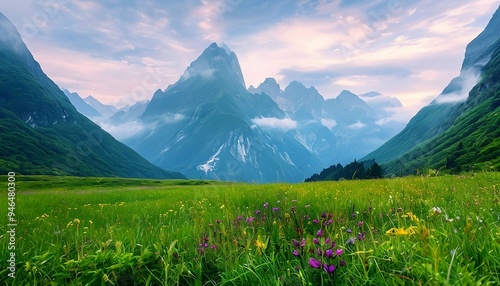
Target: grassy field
[404,231]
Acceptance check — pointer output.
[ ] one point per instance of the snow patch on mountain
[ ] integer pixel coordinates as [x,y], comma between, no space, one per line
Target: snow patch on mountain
[211,164]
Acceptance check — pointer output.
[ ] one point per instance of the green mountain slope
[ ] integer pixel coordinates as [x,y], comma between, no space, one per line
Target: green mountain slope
[437,117]
[473,140]
[42,133]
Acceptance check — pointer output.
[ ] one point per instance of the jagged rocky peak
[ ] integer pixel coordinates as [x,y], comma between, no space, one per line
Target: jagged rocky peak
[270,87]
[215,59]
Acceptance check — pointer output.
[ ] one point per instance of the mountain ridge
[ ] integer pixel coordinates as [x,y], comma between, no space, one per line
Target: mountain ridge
[43,133]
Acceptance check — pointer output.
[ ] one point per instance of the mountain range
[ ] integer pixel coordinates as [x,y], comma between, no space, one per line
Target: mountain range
[208,125]
[42,132]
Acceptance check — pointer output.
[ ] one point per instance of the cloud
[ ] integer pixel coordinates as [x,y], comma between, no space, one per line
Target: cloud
[172,118]
[468,80]
[357,125]
[122,131]
[284,125]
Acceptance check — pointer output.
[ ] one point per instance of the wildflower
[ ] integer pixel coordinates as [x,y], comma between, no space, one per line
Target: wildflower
[329,253]
[266,205]
[287,215]
[323,215]
[295,252]
[348,230]
[329,268]
[342,262]
[292,209]
[314,263]
[260,245]
[303,242]
[411,216]
[315,221]
[315,240]
[435,211]
[360,224]
[350,241]
[250,220]
[339,252]
[400,231]
[275,209]
[295,242]
[257,212]
[218,221]
[327,241]
[319,233]
[361,236]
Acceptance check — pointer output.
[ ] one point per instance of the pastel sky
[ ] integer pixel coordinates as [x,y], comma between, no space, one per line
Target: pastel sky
[122,51]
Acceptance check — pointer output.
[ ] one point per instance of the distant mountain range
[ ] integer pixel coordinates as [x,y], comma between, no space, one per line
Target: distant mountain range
[207,125]
[42,132]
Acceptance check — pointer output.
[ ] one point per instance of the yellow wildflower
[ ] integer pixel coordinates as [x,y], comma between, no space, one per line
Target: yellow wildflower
[400,231]
[411,216]
[260,245]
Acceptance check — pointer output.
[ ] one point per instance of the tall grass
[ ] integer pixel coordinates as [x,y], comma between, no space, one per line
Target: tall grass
[414,230]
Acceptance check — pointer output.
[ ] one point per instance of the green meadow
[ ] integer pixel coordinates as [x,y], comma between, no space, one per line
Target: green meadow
[420,230]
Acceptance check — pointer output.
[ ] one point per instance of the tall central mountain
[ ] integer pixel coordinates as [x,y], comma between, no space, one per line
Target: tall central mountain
[42,132]
[207,125]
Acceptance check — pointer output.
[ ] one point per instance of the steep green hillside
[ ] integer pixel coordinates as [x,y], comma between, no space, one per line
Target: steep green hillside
[436,118]
[473,141]
[42,133]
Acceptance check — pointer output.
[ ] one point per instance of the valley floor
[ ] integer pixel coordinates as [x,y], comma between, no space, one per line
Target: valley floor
[112,231]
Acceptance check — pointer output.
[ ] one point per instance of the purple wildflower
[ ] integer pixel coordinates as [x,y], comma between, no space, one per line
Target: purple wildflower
[250,220]
[275,209]
[303,242]
[329,268]
[323,215]
[319,233]
[339,252]
[295,242]
[319,251]
[240,217]
[327,241]
[329,253]
[361,236]
[266,205]
[360,223]
[295,252]
[350,241]
[342,262]
[314,263]
[349,230]
[316,241]
[257,212]
[315,221]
